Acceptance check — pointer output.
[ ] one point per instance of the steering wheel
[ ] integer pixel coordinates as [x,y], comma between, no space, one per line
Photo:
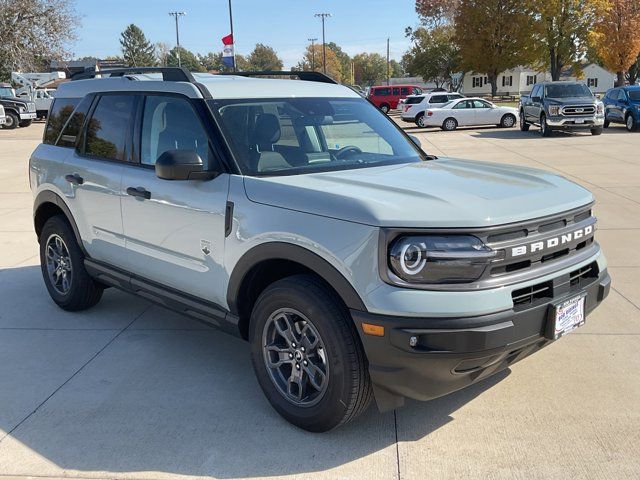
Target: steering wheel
[348,149]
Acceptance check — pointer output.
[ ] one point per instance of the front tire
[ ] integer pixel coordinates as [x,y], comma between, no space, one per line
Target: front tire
[385,108]
[596,131]
[449,124]
[545,131]
[507,121]
[606,123]
[307,355]
[524,126]
[631,123]
[62,265]
[25,123]
[12,121]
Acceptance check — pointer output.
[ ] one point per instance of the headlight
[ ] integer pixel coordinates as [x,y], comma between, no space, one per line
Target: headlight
[554,109]
[434,259]
[600,108]
[21,109]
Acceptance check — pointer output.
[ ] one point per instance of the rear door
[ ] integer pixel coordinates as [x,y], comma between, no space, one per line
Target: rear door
[94,172]
[175,237]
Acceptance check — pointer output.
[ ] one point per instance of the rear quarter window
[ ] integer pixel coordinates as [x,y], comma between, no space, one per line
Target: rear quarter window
[60,112]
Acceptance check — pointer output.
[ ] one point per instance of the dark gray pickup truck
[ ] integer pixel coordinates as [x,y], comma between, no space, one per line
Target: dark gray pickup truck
[561,106]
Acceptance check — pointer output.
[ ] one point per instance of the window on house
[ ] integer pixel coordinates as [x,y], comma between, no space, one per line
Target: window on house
[477,81]
[592,82]
[531,79]
[507,81]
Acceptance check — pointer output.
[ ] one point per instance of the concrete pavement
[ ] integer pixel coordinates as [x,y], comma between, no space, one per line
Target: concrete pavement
[130,390]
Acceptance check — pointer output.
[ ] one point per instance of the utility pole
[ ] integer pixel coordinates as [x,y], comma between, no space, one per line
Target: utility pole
[234,38]
[322,16]
[313,53]
[177,15]
[388,64]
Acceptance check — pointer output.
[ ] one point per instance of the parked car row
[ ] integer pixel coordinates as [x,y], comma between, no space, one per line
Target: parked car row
[622,105]
[18,111]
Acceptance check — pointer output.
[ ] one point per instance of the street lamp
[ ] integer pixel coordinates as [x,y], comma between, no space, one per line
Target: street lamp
[313,53]
[177,15]
[322,16]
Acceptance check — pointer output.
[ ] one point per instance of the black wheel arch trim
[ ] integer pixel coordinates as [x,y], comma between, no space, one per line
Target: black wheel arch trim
[294,253]
[47,196]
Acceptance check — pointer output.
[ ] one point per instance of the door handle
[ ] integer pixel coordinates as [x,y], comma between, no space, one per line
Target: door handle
[75,179]
[139,192]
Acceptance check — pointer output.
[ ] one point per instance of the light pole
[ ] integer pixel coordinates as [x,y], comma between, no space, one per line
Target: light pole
[324,52]
[234,40]
[313,53]
[176,15]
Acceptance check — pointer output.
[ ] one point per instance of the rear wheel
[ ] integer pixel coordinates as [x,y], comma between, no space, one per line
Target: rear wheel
[449,124]
[12,121]
[385,108]
[508,121]
[420,120]
[545,131]
[524,126]
[62,264]
[307,355]
[631,123]
[596,131]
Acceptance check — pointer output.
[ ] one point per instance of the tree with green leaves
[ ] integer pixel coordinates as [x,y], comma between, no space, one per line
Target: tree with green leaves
[34,32]
[493,36]
[136,49]
[434,54]
[263,57]
[187,58]
[369,68]
[343,58]
[396,69]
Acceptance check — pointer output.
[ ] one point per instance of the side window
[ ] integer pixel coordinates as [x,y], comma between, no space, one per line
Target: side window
[382,92]
[454,96]
[463,104]
[74,125]
[480,104]
[170,123]
[396,91]
[621,95]
[404,91]
[108,127]
[61,110]
[536,91]
[438,99]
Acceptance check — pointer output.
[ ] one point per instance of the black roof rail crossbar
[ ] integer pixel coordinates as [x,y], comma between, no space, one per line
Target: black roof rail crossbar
[169,74]
[309,76]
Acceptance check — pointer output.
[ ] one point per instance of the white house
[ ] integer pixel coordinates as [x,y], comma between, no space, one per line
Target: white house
[598,79]
[516,81]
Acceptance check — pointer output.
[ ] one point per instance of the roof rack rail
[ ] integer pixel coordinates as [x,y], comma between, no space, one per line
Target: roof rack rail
[309,76]
[169,74]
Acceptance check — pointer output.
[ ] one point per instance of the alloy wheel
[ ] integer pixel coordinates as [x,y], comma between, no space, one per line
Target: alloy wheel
[59,266]
[295,357]
[630,123]
[508,121]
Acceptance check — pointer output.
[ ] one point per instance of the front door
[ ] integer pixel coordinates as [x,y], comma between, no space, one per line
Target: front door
[484,113]
[464,113]
[175,237]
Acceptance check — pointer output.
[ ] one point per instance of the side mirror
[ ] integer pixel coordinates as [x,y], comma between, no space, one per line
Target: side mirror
[536,99]
[415,140]
[181,165]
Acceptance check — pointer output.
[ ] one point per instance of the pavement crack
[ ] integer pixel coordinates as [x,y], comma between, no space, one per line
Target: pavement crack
[395,424]
[7,434]
[623,296]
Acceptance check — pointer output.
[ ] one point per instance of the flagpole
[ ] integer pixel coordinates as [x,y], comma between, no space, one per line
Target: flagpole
[234,38]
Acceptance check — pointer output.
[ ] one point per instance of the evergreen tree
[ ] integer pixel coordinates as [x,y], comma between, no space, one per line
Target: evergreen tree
[136,49]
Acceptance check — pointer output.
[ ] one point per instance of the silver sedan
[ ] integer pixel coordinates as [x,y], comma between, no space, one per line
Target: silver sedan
[470,111]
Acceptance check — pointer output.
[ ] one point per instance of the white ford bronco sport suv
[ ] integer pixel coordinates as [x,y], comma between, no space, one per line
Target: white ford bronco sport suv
[295,215]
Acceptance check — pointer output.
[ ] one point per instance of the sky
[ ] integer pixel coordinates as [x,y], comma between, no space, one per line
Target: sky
[356,25]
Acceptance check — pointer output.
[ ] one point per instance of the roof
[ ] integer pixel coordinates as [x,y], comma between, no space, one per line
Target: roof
[219,86]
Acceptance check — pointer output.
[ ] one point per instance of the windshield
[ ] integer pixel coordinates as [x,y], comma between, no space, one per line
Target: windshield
[565,90]
[303,135]
[634,95]
[7,92]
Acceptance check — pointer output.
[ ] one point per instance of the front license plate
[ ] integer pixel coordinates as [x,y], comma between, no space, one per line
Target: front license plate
[579,120]
[567,316]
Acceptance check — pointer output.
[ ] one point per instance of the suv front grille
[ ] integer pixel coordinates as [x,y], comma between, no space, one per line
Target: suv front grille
[544,291]
[579,110]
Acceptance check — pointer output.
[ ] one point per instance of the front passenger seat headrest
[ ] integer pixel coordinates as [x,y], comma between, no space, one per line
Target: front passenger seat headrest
[267,130]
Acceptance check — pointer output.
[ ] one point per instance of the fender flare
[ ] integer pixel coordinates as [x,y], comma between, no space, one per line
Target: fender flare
[298,254]
[47,196]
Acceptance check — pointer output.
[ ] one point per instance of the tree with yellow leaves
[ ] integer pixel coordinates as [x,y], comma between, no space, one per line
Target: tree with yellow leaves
[312,60]
[616,36]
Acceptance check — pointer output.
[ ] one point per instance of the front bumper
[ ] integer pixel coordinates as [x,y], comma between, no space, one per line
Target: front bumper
[576,122]
[452,353]
[28,116]
[3,120]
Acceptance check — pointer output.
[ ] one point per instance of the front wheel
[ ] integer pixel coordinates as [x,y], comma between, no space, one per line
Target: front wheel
[545,131]
[449,124]
[62,264]
[12,121]
[25,123]
[508,121]
[307,355]
[631,123]
[385,108]
[606,123]
[524,126]
[596,131]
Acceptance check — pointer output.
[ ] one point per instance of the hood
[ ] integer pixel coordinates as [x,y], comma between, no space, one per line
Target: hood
[571,100]
[438,193]
[15,100]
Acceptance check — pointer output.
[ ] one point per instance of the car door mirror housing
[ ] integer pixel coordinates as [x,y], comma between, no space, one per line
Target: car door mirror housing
[536,99]
[181,165]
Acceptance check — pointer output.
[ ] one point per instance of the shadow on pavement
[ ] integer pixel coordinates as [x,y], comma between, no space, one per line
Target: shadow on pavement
[173,397]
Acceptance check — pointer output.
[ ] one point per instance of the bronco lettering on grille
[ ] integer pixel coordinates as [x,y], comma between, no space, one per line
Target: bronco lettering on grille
[551,242]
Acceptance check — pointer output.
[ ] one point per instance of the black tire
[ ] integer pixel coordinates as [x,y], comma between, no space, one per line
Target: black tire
[449,124]
[420,118]
[83,292]
[25,123]
[524,126]
[385,108]
[596,131]
[606,123]
[347,390]
[545,131]
[12,121]
[507,121]
[630,123]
